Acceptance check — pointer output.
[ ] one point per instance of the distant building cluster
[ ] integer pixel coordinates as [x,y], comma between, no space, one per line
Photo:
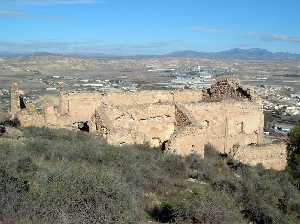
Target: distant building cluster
[183,77]
[191,77]
[280,99]
[283,103]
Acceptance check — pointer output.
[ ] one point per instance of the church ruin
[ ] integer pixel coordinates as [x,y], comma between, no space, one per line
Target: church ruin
[226,116]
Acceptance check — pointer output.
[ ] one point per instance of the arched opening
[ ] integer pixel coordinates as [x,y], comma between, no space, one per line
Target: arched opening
[22,103]
[164,146]
[2,130]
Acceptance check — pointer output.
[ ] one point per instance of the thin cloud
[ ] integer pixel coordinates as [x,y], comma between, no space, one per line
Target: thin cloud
[23,15]
[285,38]
[201,29]
[272,37]
[59,2]
[90,47]
[4,13]
[251,34]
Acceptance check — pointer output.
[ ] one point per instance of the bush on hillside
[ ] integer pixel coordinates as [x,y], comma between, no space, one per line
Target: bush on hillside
[3,116]
[294,154]
[5,120]
[266,196]
[199,204]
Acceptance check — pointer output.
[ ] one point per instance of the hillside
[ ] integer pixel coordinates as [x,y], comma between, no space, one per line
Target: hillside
[58,176]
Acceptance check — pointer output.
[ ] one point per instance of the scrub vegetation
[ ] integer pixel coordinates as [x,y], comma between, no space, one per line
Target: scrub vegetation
[59,176]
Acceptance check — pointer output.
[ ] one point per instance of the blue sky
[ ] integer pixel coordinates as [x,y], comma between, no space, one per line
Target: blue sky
[148,26]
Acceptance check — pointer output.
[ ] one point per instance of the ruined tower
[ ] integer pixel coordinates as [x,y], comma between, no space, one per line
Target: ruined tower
[14,99]
[62,108]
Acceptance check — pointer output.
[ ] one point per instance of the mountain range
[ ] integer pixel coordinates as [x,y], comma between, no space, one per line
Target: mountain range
[236,53]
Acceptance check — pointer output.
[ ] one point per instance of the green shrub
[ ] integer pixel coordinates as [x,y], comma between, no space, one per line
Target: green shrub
[294,155]
[294,136]
[3,117]
[264,196]
[198,205]
[7,121]
[75,196]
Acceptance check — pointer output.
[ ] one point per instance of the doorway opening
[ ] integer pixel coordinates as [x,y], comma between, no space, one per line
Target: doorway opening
[22,103]
[164,146]
[83,126]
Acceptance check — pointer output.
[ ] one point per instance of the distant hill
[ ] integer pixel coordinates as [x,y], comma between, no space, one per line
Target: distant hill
[187,53]
[237,53]
[5,54]
[37,54]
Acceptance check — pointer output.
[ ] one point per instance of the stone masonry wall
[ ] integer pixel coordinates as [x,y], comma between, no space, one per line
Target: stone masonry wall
[140,124]
[222,124]
[270,156]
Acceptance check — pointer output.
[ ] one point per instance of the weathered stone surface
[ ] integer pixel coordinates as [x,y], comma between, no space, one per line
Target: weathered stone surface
[14,99]
[222,124]
[270,156]
[139,124]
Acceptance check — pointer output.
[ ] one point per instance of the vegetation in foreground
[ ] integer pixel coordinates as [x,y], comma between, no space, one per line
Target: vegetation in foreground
[58,176]
[294,155]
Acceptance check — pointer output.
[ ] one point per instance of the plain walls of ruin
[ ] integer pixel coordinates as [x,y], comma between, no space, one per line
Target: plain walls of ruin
[79,106]
[14,99]
[271,156]
[222,124]
[150,124]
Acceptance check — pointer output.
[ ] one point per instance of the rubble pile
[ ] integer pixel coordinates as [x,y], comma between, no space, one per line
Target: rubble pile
[228,88]
[182,119]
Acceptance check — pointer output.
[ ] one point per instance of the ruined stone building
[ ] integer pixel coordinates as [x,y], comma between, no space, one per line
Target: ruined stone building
[180,121]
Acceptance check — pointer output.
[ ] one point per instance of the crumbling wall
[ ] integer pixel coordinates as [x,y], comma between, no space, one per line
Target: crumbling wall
[221,124]
[144,117]
[272,156]
[137,98]
[188,96]
[79,106]
[152,97]
[27,114]
[31,118]
[186,126]
[150,124]
[189,120]
[14,100]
